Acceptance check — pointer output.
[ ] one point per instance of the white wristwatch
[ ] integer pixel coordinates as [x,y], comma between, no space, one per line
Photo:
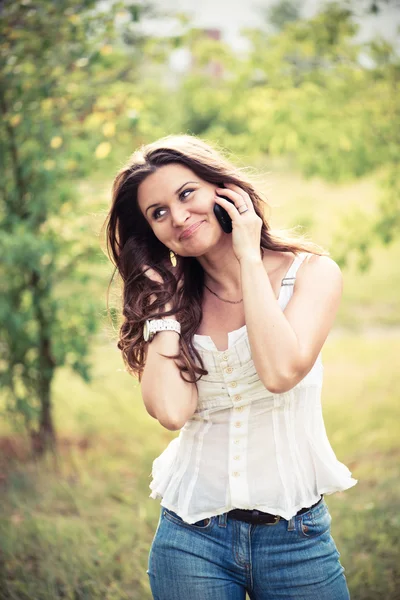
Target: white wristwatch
[151,327]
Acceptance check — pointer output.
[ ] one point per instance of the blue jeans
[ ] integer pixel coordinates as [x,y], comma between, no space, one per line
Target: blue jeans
[222,559]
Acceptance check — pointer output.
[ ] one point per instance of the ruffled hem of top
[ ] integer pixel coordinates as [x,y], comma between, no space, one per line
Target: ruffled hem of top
[329,476]
[162,469]
[285,514]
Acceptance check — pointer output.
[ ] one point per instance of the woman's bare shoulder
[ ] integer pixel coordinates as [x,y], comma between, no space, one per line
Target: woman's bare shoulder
[319,269]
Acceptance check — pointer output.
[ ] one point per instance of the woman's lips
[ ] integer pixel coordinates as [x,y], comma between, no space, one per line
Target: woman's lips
[188,232]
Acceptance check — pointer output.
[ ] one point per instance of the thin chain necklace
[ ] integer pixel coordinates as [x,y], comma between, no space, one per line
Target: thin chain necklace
[223,300]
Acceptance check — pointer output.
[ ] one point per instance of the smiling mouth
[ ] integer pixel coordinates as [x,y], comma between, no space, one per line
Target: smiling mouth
[190,230]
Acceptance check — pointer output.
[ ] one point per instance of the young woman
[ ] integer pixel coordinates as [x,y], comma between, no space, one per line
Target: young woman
[224,322]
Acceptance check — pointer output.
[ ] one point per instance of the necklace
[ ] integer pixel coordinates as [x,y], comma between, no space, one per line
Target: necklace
[223,300]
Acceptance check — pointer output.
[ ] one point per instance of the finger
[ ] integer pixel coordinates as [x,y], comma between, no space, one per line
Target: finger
[235,196]
[245,195]
[238,190]
[229,207]
[239,196]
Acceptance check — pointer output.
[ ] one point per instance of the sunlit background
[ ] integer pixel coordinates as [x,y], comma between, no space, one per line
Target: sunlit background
[305,93]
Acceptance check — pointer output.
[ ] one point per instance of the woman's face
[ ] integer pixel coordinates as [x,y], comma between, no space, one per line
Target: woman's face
[178,205]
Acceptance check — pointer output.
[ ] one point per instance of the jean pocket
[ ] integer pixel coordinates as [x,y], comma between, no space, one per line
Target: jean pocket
[203,524]
[315,522]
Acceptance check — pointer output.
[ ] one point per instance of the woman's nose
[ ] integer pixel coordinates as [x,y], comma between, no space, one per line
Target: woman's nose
[179,215]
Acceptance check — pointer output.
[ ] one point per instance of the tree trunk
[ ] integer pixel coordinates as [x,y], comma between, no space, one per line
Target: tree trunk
[44,438]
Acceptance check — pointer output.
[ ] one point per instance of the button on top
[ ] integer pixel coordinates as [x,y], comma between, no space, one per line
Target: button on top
[224,357]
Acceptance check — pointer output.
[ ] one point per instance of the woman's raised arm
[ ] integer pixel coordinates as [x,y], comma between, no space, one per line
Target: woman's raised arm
[166,396]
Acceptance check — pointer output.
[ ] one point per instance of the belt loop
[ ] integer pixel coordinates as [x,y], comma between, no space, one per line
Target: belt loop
[222,520]
[291,525]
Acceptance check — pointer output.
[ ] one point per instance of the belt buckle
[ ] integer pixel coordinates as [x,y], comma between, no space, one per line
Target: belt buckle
[261,522]
[277,518]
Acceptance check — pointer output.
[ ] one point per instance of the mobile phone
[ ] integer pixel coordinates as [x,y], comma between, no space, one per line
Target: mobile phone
[222,216]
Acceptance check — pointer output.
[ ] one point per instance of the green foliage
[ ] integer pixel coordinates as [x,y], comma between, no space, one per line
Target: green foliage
[82,85]
[313,94]
[283,12]
[62,107]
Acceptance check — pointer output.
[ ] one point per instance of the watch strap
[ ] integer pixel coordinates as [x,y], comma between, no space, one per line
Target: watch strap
[156,325]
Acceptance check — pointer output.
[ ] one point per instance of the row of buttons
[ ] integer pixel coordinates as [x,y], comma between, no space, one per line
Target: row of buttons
[236,398]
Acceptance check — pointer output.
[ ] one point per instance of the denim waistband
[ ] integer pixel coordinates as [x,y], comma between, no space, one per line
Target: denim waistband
[258,517]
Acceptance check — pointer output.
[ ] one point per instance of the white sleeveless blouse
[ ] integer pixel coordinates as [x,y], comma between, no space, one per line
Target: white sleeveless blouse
[246,447]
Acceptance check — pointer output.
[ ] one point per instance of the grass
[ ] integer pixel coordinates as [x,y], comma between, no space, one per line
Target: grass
[80,526]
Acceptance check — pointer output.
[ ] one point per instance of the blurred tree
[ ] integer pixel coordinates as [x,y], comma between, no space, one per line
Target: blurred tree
[313,93]
[334,105]
[281,13]
[375,6]
[67,94]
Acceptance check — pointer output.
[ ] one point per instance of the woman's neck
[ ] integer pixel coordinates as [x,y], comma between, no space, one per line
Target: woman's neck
[222,270]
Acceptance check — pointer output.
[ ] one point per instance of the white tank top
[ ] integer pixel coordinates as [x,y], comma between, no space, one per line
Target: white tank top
[246,447]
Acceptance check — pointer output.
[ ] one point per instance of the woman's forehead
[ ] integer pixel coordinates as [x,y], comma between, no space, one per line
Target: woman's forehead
[163,183]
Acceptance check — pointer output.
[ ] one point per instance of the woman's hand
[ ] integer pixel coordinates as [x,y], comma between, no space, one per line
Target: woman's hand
[246,226]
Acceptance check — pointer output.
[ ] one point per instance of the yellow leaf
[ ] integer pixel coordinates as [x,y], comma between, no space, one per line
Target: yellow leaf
[47,104]
[56,141]
[65,208]
[135,104]
[108,129]
[106,50]
[71,165]
[49,165]
[103,150]
[94,120]
[15,120]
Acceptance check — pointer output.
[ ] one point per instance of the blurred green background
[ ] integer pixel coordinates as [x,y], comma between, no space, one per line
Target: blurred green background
[310,101]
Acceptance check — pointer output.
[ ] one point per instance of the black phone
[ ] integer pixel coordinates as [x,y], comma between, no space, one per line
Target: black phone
[222,216]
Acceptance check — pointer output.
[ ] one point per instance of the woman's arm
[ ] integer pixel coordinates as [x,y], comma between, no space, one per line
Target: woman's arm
[285,345]
[166,396]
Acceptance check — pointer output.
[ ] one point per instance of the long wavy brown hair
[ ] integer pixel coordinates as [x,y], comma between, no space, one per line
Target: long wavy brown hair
[133,248]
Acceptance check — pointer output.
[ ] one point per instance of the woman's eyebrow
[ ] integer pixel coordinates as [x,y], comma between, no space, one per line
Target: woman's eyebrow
[182,186]
[176,193]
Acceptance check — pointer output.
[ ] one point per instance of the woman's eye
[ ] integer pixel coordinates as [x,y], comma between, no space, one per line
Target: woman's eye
[182,194]
[156,213]
[159,212]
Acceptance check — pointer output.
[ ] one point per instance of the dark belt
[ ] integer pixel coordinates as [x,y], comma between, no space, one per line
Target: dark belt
[257,517]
